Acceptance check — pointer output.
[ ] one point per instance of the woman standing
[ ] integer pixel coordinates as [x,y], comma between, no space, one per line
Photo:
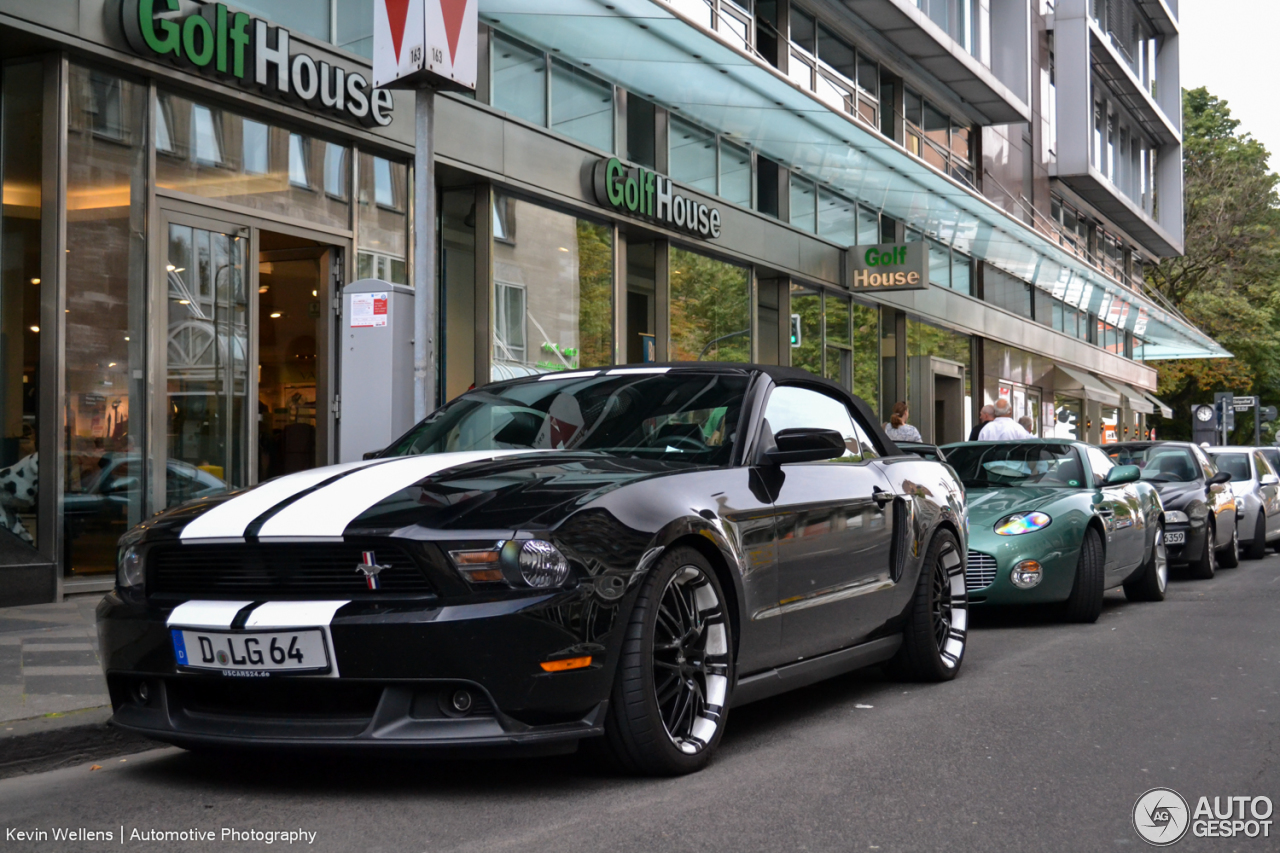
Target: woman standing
[898,429]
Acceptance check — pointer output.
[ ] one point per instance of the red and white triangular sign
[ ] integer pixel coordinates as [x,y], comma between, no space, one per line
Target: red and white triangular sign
[425,42]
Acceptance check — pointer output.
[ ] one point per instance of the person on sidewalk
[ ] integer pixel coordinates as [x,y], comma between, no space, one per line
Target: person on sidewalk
[1027,424]
[898,429]
[1003,427]
[985,416]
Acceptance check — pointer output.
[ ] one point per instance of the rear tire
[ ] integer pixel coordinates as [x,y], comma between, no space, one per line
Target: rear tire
[1206,567]
[1152,583]
[1230,556]
[937,629]
[1085,602]
[1258,547]
[670,696]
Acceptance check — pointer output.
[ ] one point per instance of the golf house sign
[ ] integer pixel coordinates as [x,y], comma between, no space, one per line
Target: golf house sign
[888,266]
[646,194]
[252,52]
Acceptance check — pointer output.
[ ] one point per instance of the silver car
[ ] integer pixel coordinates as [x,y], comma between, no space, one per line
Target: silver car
[1256,485]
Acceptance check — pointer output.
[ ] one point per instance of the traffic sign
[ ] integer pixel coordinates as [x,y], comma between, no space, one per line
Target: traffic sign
[425,41]
[1241,404]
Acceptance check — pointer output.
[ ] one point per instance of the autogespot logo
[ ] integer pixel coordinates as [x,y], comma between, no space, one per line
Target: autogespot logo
[1160,817]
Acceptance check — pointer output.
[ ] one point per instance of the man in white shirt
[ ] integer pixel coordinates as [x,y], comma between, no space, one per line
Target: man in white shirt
[1004,427]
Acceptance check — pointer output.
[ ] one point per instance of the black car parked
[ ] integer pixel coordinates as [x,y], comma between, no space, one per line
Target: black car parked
[1199,506]
[623,553]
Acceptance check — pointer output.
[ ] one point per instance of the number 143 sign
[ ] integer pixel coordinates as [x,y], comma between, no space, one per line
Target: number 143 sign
[431,42]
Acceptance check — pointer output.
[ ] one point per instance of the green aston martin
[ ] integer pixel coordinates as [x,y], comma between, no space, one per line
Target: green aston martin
[1058,521]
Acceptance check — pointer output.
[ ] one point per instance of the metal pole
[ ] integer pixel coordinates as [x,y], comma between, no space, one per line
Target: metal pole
[424,256]
[1257,421]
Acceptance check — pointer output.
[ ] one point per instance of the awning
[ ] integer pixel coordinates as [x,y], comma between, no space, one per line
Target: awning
[1070,379]
[646,47]
[1134,399]
[1164,409]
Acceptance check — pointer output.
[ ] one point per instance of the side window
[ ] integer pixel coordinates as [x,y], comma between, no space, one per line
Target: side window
[790,408]
[1260,463]
[1207,467]
[1101,464]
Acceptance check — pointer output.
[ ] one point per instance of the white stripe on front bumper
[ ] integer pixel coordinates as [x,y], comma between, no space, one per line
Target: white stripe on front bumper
[206,614]
[294,614]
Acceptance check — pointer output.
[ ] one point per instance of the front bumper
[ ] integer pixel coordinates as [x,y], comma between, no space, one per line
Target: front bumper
[1058,570]
[1192,547]
[397,664]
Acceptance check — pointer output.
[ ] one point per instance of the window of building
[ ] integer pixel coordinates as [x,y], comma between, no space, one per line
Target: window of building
[692,155]
[833,69]
[926,341]
[299,149]
[302,16]
[255,153]
[335,170]
[354,22]
[642,131]
[957,18]
[933,136]
[839,339]
[207,136]
[1007,292]
[837,218]
[581,106]
[104,105]
[555,309]
[519,79]
[164,138]
[735,173]
[382,220]
[803,203]
[710,308]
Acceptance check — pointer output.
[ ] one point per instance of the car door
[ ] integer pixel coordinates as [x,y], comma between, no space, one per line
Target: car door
[835,532]
[1121,513]
[1219,499]
[1269,489]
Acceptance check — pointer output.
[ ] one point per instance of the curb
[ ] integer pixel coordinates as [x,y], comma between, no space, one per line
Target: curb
[45,743]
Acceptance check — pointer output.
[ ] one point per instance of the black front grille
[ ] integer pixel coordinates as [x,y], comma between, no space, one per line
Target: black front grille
[304,569]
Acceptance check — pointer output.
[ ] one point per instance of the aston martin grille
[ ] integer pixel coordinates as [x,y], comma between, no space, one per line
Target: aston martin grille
[303,569]
[981,571]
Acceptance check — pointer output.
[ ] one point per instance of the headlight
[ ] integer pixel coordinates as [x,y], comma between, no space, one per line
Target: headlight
[129,571]
[542,564]
[1173,516]
[1026,574]
[1023,522]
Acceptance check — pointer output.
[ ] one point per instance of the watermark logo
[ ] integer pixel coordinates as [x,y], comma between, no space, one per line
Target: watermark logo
[1161,817]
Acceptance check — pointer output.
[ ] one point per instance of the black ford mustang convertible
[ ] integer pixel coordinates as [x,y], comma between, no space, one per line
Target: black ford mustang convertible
[619,555]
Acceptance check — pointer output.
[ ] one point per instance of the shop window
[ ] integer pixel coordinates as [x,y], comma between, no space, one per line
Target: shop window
[837,218]
[206,136]
[354,19]
[642,134]
[519,79]
[382,221]
[254,136]
[865,328]
[335,170]
[692,156]
[767,179]
[218,148]
[581,106]
[563,266]
[164,118]
[104,105]
[1007,292]
[710,309]
[807,346]
[803,203]
[298,156]
[951,417]
[735,173]
[21,287]
[104,365]
[458,222]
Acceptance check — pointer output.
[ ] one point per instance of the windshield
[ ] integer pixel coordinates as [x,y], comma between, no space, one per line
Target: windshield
[1159,464]
[1235,464]
[683,416]
[985,466]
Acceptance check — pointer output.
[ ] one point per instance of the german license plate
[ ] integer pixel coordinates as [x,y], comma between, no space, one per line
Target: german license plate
[251,653]
[1175,538]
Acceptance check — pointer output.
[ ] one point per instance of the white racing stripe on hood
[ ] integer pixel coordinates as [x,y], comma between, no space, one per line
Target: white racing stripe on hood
[229,519]
[328,511]
[206,614]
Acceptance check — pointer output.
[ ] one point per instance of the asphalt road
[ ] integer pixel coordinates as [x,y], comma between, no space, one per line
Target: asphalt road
[1044,742]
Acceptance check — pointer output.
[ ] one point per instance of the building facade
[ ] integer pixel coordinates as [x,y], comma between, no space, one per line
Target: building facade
[187,187]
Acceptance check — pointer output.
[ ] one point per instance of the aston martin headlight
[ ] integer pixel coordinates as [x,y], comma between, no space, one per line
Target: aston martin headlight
[1173,516]
[1026,574]
[541,564]
[1023,522]
[129,568]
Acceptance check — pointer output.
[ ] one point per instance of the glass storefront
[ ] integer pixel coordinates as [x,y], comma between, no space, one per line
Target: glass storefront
[1068,418]
[552,290]
[939,381]
[710,308]
[839,340]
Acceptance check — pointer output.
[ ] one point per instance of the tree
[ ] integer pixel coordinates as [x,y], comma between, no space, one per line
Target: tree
[1228,282]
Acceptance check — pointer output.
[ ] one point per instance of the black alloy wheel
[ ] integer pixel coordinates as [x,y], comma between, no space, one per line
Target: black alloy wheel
[670,697]
[937,629]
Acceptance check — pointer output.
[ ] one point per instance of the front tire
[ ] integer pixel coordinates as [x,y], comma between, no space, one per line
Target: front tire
[1230,556]
[1154,580]
[1206,567]
[670,697]
[1085,602]
[937,628]
[1258,547]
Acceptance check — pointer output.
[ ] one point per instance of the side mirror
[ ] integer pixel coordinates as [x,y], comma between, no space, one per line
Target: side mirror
[372,454]
[1124,474]
[1270,480]
[805,445]
[1220,478]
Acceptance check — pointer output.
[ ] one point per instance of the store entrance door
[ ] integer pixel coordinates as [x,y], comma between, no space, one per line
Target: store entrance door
[247,357]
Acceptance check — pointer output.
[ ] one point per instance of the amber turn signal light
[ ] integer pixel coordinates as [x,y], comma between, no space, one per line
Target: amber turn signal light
[566,663]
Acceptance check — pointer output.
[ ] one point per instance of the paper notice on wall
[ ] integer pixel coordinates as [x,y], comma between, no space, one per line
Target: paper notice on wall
[368,309]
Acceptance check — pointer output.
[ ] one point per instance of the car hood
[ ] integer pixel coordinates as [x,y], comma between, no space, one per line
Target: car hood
[470,491]
[1178,496]
[988,506]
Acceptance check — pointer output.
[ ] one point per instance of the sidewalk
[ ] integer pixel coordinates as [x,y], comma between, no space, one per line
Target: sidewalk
[49,660]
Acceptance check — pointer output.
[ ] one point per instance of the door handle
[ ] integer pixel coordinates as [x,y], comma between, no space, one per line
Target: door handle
[881,497]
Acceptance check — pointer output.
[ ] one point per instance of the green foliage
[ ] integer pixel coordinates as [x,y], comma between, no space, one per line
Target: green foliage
[1228,282]
[595,293]
[709,301]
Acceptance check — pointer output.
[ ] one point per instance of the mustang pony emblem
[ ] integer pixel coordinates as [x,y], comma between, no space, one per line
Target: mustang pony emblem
[370,569]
